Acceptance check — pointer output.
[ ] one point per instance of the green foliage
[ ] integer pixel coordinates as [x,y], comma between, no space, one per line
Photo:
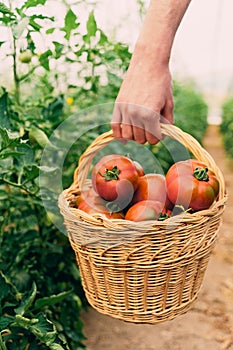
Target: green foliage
[226,126]
[41,295]
[102,61]
[190,110]
[70,23]
[23,318]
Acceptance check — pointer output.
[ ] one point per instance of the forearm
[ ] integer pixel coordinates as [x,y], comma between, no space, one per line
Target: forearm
[145,98]
[159,28]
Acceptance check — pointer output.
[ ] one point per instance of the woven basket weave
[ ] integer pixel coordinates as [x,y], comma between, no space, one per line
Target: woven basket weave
[142,272]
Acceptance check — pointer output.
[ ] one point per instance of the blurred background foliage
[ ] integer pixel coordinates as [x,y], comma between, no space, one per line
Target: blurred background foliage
[226,127]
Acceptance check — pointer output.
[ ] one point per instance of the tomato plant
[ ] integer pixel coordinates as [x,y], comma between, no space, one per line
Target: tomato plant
[115,178]
[40,288]
[192,185]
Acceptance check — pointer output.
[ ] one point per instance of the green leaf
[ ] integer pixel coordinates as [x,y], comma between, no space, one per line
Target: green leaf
[103,38]
[44,330]
[70,23]
[42,17]
[33,3]
[9,139]
[57,347]
[37,27]
[7,15]
[6,286]
[5,10]
[31,173]
[54,109]
[3,195]
[4,115]
[91,25]
[44,59]
[28,158]
[30,43]
[6,20]
[78,301]
[52,299]
[41,327]
[4,138]
[6,154]
[58,49]
[27,302]
[50,30]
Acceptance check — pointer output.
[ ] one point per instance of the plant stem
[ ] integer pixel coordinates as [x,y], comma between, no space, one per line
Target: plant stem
[2,344]
[25,76]
[16,78]
[20,185]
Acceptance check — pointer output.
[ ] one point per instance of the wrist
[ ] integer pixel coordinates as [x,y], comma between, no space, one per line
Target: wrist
[151,53]
[158,30]
[155,43]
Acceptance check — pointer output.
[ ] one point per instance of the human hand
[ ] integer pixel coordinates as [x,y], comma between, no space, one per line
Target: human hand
[145,99]
[145,96]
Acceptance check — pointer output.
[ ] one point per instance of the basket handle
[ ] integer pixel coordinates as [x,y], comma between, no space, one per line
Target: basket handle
[81,172]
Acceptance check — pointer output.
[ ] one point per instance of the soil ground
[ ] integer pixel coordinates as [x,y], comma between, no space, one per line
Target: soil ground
[209,323]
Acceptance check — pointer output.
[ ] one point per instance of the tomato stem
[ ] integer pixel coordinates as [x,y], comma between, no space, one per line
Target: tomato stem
[163,216]
[113,207]
[111,174]
[201,173]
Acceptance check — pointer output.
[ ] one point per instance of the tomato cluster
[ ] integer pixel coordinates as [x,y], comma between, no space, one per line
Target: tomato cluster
[121,189]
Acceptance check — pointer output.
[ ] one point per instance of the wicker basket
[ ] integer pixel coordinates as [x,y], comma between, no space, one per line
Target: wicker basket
[142,272]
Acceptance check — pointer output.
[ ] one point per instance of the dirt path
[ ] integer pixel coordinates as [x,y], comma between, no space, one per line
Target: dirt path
[209,324]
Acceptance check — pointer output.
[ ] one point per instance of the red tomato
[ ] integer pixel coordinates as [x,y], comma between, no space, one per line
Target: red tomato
[144,210]
[115,178]
[192,185]
[139,168]
[91,203]
[84,195]
[168,204]
[150,187]
[78,200]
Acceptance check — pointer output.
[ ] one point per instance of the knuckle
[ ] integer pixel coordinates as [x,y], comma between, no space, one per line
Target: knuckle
[114,125]
[170,104]
[147,117]
[126,134]
[133,110]
[141,140]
